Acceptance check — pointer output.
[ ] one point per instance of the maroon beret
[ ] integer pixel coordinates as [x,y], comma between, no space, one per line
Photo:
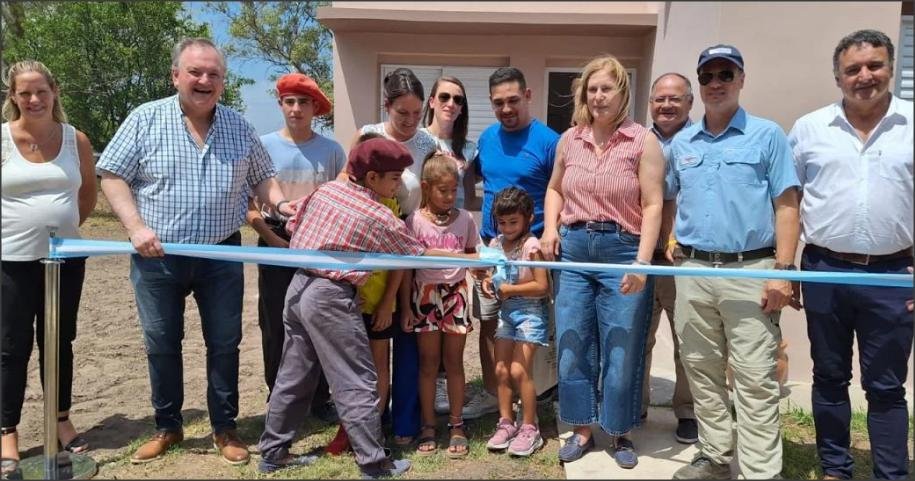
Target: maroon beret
[301,84]
[378,155]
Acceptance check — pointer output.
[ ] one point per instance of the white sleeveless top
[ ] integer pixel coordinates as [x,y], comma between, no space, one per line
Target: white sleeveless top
[36,196]
[420,145]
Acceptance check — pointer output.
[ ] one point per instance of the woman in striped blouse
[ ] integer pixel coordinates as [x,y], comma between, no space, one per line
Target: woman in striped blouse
[603,204]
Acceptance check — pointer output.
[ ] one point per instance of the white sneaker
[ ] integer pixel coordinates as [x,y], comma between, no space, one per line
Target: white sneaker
[442,405]
[482,403]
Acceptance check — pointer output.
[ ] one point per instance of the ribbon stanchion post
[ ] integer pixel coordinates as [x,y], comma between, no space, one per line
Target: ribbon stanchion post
[54,464]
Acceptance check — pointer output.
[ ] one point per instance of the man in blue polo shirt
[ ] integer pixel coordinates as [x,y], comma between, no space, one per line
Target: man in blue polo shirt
[736,206]
[518,151]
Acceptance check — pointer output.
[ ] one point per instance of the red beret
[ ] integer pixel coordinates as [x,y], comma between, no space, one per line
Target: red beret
[378,155]
[297,83]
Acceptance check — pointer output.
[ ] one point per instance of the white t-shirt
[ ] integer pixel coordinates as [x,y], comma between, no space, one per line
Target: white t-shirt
[420,145]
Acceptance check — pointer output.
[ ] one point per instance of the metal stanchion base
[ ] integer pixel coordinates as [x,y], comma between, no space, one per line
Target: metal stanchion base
[69,466]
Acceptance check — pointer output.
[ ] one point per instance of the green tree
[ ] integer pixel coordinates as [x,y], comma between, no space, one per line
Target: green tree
[286,35]
[109,57]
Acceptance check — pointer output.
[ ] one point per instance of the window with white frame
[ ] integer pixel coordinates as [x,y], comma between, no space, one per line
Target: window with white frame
[476,86]
[904,59]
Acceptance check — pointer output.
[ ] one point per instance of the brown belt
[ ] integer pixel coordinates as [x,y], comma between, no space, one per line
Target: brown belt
[862,259]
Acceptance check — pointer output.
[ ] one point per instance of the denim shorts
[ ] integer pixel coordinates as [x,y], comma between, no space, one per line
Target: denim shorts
[523,319]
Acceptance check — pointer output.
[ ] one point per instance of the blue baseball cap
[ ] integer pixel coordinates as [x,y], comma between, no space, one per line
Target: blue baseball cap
[727,52]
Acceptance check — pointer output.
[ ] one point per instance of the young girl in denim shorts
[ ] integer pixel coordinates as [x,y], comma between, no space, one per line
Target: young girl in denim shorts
[522,323]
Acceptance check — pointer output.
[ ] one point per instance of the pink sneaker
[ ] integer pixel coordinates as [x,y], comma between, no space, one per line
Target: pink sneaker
[526,442]
[505,432]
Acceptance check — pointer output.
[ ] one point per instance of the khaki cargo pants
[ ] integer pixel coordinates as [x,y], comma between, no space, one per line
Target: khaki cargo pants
[720,322]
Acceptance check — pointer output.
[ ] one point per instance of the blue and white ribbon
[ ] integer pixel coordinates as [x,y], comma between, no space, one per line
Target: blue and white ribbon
[61,248]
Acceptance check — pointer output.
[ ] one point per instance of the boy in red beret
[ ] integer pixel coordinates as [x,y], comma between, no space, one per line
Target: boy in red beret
[303,159]
[322,317]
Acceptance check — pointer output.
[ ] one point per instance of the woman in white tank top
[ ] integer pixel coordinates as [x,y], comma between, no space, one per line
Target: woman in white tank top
[48,181]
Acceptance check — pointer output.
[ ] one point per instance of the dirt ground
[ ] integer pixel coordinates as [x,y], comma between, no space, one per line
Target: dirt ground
[111,394]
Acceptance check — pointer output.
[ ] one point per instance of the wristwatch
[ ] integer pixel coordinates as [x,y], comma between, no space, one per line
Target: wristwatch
[785,267]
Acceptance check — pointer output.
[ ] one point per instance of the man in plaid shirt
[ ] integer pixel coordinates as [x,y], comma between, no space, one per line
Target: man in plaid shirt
[180,170]
[322,317]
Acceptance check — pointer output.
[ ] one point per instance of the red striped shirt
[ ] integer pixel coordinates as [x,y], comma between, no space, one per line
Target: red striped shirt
[606,187]
[343,216]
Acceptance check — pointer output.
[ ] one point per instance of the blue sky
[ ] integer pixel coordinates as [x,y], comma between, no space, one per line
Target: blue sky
[261,108]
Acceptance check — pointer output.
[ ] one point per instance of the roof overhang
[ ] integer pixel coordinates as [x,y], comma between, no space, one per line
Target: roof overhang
[362,20]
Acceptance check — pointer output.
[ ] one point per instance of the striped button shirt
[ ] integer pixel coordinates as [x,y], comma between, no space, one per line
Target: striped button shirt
[605,187]
[184,193]
[347,217]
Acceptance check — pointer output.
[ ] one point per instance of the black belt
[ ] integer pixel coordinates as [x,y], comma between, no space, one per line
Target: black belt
[724,257]
[596,226]
[862,259]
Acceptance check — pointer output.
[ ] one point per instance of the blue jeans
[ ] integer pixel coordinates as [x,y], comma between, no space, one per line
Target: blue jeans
[600,333]
[877,316]
[522,319]
[161,286]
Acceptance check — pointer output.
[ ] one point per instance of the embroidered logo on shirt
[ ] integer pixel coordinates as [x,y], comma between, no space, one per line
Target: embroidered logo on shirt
[688,160]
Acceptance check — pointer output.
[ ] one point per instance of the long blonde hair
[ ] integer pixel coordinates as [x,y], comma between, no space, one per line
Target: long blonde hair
[582,115]
[10,109]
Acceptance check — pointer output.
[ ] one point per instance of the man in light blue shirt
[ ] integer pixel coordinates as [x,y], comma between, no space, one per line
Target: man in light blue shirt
[854,159]
[736,206]
[180,170]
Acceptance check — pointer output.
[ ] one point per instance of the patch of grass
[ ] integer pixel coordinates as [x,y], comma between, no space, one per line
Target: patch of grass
[800,458]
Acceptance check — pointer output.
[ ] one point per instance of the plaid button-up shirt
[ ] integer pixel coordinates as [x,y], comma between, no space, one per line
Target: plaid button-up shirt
[184,193]
[344,216]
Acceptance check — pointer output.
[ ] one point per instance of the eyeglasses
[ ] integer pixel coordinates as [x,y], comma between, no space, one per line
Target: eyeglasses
[725,76]
[670,98]
[290,101]
[444,97]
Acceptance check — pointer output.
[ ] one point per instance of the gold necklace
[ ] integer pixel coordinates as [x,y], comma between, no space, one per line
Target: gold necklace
[440,220]
[34,146]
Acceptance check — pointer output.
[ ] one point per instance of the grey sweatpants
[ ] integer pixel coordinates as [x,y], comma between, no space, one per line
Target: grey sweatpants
[324,328]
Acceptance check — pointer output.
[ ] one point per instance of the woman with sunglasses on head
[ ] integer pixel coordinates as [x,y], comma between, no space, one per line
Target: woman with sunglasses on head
[603,205]
[446,119]
[48,179]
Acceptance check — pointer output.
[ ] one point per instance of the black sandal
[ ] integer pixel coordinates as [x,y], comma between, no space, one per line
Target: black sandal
[426,441]
[76,445]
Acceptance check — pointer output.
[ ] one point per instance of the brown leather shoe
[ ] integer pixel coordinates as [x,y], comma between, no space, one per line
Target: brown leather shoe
[232,449]
[157,446]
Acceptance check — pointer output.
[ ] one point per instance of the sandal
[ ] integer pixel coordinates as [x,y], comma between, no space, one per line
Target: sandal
[458,441]
[426,441]
[76,445]
[8,466]
[403,441]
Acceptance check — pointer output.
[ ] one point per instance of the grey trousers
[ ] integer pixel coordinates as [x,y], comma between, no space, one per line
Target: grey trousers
[324,328]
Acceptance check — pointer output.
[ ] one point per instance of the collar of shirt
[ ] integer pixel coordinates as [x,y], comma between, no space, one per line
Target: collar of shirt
[215,122]
[666,140]
[371,194]
[894,114]
[628,129]
[738,122]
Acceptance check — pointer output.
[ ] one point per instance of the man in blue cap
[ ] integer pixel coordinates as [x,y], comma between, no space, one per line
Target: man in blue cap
[736,207]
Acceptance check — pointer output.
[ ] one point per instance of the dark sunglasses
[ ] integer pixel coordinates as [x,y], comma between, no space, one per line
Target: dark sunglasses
[725,76]
[444,97]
